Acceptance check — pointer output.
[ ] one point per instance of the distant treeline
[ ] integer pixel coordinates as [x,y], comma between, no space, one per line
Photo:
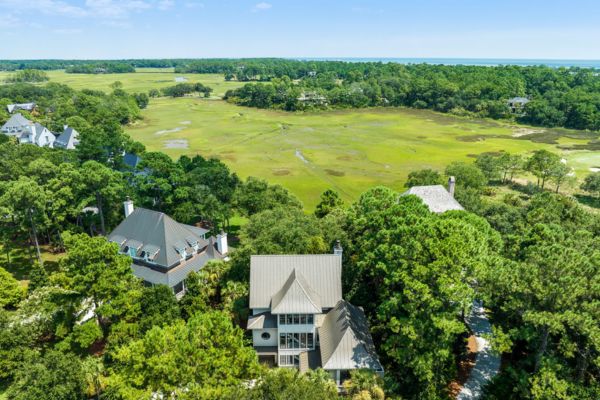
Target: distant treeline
[108,68]
[563,97]
[13,65]
[559,97]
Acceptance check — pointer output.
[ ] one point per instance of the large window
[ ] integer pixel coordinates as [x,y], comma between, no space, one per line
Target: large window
[296,319]
[289,360]
[296,340]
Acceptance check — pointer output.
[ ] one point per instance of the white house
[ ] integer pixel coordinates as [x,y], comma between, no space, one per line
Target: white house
[27,131]
[299,319]
[164,251]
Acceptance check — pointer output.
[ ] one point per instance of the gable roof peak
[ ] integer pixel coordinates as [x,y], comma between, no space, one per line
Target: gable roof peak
[296,296]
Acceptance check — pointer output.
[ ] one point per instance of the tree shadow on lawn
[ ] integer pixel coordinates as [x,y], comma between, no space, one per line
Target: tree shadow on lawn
[590,201]
[21,262]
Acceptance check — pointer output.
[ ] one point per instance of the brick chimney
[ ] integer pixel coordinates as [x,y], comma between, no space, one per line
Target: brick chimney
[451,185]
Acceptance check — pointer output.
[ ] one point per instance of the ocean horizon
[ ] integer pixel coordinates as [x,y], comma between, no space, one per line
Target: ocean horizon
[489,62]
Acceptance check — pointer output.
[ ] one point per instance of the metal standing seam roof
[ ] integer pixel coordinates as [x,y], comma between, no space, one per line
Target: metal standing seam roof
[263,320]
[436,197]
[269,273]
[345,340]
[157,229]
[296,296]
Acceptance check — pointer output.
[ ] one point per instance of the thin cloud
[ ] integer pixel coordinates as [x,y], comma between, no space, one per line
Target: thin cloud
[9,21]
[67,31]
[262,6]
[102,10]
[115,9]
[49,7]
[165,4]
[192,4]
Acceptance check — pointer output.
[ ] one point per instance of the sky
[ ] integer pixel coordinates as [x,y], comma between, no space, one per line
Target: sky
[113,29]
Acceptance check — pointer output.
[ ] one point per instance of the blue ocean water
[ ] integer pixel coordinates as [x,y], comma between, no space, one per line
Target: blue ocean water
[468,61]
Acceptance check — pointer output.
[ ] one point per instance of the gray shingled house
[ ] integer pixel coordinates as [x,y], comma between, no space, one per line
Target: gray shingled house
[27,131]
[69,139]
[436,197]
[164,251]
[22,106]
[300,320]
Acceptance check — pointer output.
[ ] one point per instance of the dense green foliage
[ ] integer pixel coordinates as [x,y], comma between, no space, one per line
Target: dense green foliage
[10,290]
[100,68]
[85,327]
[559,97]
[12,65]
[207,350]
[28,75]
[181,89]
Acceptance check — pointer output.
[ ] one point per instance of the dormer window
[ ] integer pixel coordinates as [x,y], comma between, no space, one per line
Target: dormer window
[193,243]
[131,251]
[180,248]
[132,247]
[149,252]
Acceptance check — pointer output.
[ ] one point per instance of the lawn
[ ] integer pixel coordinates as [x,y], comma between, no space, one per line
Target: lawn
[348,150]
[20,261]
[141,81]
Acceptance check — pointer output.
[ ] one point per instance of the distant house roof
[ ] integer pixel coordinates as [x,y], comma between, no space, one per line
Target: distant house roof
[21,106]
[296,296]
[131,160]
[315,279]
[345,339]
[157,230]
[436,197]
[69,139]
[16,121]
[520,100]
[180,79]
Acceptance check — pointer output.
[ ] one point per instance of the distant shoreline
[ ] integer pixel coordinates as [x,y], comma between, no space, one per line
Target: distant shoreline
[488,62]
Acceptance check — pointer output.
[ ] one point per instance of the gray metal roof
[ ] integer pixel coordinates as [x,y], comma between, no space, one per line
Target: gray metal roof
[523,100]
[262,321]
[269,273]
[296,296]
[436,197]
[69,139]
[16,121]
[345,340]
[131,160]
[21,106]
[157,229]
